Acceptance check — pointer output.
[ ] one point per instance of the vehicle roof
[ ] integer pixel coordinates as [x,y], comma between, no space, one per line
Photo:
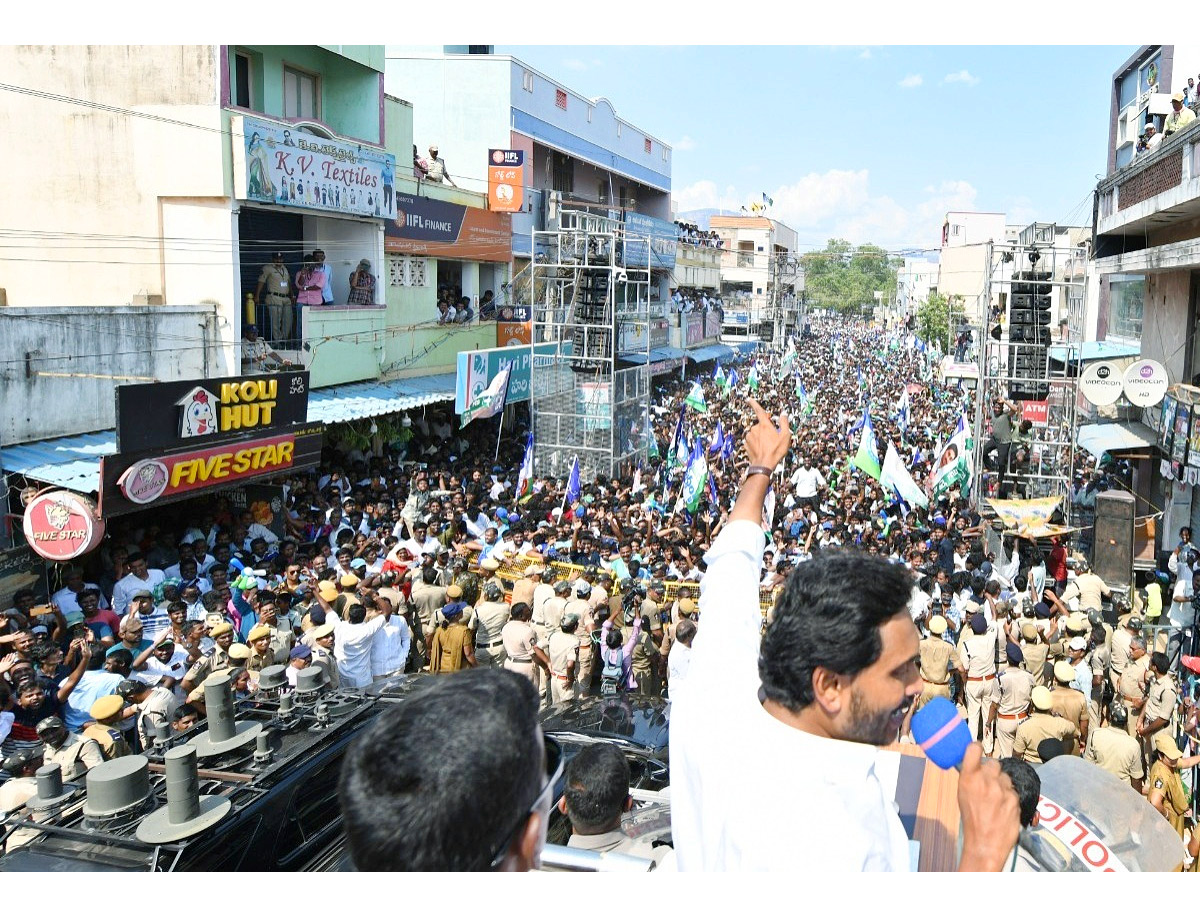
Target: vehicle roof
[629,718]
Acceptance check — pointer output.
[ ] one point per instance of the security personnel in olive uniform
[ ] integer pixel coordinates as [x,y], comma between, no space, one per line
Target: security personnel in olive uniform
[645,651]
[938,660]
[73,753]
[1069,703]
[108,712]
[467,580]
[1166,791]
[491,615]
[1035,650]
[1041,724]
[1010,703]
[450,647]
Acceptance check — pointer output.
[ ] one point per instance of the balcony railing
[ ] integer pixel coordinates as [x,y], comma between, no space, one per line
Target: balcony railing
[1152,173]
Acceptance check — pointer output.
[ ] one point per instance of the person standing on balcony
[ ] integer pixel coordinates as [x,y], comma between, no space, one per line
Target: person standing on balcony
[362,285]
[325,269]
[275,292]
[1180,116]
[436,167]
[310,282]
[1150,139]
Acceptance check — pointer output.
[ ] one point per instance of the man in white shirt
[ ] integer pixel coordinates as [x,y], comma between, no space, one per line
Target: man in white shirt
[838,670]
[354,638]
[64,599]
[808,482]
[140,578]
[391,643]
[421,542]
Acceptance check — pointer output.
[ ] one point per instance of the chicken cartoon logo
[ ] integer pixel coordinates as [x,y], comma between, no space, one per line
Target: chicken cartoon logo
[199,414]
[58,514]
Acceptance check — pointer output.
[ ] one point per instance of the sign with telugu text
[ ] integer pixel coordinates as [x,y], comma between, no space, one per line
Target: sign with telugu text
[283,165]
[477,368]
[506,181]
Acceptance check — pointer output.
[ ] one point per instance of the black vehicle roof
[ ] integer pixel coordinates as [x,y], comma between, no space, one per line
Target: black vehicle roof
[632,719]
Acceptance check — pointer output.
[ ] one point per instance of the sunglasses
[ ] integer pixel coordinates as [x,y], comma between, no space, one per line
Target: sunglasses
[554,773]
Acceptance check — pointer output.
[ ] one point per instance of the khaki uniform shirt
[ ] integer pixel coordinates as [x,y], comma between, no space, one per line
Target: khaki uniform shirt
[1120,650]
[979,651]
[1070,704]
[1161,699]
[74,757]
[157,709]
[617,842]
[323,658]
[1089,588]
[1164,778]
[427,599]
[552,612]
[1035,653]
[1036,729]
[938,658]
[563,651]
[206,665]
[522,591]
[490,618]
[1113,750]
[1132,685]
[112,742]
[447,650]
[1015,690]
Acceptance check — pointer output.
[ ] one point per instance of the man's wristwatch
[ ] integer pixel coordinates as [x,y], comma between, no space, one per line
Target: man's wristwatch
[758,470]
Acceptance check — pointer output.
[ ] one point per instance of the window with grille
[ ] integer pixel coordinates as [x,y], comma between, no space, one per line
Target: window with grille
[560,98]
[408,271]
[647,145]
[564,173]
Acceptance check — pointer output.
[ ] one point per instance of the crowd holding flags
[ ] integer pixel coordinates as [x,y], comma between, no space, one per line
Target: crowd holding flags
[695,479]
[695,399]
[490,401]
[952,464]
[867,457]
[525,475]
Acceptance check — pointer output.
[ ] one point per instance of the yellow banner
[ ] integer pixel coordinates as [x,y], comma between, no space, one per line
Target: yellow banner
[1029,518]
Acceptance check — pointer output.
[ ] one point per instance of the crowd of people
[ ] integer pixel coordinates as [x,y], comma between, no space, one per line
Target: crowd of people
[690,233]
[436,553]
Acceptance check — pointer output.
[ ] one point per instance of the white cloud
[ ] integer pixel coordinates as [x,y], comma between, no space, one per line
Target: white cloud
[576,65]
[866,54]
[684,143]
[962,76]
[839,203]
[911,81]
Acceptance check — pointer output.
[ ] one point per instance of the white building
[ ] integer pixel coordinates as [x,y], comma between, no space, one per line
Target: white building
[914,281]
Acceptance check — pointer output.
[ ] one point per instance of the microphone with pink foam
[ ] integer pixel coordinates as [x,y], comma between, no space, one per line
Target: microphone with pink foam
[942,733]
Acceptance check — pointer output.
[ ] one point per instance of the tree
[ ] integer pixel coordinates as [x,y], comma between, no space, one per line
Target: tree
[845,278]
[933,318]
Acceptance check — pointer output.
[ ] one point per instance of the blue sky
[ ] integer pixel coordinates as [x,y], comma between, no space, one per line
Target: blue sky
[864,143]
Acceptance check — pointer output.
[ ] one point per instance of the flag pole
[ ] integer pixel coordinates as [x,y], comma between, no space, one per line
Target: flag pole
[503,403]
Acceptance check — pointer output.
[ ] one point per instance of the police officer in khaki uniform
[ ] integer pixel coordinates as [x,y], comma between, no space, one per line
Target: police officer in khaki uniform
[491,615]
[322,641]
[1034,650]
[1134,679]
[938,660]
[563,651]
[1119,658]
[154,706]
[552,611]
[580,605]
[523,590]
[489,569]
[1114,750]
[1161,697]
[1069,703]
[73,753]
[105,731]
[217,658]
[978,650]
[1098,659]
[1010,703]
[1041,724]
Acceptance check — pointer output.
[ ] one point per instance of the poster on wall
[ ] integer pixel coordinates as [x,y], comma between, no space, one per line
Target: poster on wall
[1194,438]
[1166,425]
[20,568]
[281,164]
[1183,415]
[264,502]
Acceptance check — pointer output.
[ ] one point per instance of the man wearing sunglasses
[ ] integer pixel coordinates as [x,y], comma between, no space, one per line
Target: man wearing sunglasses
[417,813]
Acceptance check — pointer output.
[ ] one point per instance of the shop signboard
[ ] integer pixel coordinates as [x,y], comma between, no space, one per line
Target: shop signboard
[130,481]
[477,368]
[594,405]
[20,568]
[659,240]
[514,326]
[506,181]
[1035,411]
[278,163]
[427,227]
[660,333]
[693,328]
[206,410]
[265,503]
[60,525]
[712,323]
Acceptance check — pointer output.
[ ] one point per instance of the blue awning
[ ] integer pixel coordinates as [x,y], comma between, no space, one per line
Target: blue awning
[1109,437]
[74,462]
[747,347]
[1098,351]
[709,353]
[657,354]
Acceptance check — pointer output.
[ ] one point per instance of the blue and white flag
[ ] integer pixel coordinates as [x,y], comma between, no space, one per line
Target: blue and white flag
[573,490]
[695,479]
[718,440]
[525,476]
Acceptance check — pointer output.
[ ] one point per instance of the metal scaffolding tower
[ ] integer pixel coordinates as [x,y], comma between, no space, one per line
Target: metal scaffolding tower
[590,286]
[1032,357]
